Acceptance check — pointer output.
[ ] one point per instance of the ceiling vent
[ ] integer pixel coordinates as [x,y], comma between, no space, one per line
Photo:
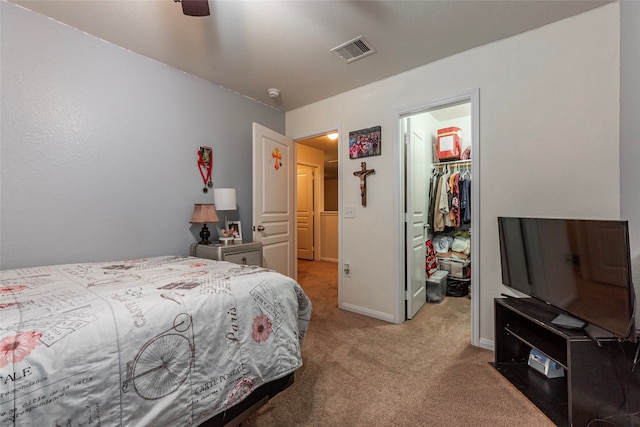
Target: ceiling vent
[354,49]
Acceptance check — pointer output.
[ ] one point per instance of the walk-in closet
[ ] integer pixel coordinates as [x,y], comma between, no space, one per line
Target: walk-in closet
[439,182]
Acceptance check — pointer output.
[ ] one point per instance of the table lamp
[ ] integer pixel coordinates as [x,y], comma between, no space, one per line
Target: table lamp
[203,214]
[225,199]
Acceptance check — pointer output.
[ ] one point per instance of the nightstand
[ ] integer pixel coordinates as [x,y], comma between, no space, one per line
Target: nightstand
[249,253]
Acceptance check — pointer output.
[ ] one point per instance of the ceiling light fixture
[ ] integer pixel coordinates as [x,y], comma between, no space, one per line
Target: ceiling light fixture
[333,136]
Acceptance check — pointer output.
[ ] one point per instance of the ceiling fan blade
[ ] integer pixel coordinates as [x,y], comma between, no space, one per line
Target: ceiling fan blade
[195,7]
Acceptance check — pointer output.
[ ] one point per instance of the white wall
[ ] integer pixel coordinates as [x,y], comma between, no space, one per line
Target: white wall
[549,112]
[98,147]
[329,232]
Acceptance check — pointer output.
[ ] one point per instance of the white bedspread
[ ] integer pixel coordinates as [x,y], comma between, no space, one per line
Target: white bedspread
[164,341]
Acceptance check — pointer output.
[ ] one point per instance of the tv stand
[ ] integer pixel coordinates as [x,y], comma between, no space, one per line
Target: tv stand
[592,385]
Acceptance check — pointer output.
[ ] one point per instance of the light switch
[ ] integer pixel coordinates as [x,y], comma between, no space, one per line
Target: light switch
[349,212]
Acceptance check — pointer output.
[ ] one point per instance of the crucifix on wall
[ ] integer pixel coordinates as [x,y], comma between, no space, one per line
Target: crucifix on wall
[363,173]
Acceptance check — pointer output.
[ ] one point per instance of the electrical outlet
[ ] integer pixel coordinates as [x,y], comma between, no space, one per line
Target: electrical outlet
[347,270]
[349,212]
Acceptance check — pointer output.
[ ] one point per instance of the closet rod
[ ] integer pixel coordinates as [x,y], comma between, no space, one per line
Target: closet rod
[453,163]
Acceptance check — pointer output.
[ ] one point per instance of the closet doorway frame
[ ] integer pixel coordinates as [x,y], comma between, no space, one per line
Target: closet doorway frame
[472,96]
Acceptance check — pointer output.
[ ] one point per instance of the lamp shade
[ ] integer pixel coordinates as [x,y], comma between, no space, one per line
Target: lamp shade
[225,199]
[204,213]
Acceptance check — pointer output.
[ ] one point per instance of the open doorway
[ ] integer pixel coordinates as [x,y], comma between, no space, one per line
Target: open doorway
[317,216]
[439,139]
[317,202]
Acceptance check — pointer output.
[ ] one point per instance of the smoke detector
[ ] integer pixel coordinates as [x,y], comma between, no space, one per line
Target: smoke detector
[355,49]
[273,92]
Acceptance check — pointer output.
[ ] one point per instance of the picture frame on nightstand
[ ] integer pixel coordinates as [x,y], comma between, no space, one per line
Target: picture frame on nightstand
[235,228]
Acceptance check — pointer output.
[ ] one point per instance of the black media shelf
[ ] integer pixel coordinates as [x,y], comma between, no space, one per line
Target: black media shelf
[533,340]
[597,379]
[548,394]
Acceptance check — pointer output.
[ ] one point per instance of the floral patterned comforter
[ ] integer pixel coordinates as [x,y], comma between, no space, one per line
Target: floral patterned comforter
[164,341]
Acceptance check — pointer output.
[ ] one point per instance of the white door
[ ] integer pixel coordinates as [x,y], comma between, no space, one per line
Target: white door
[305,212]
[274,168]
[416,219]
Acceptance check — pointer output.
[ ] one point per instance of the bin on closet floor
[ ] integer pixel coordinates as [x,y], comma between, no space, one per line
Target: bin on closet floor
[437,286]
[457,268]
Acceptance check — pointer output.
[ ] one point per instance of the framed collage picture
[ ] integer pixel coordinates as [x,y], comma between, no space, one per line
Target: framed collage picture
[365,142]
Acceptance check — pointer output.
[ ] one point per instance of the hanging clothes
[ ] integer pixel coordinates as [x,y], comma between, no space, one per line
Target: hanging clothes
[441,213]
[449,199]
[431,197]
[465,200]
[445,200]
[454,207]
[438,216]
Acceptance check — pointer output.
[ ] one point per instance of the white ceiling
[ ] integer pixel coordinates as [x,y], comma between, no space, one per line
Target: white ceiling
[251,46]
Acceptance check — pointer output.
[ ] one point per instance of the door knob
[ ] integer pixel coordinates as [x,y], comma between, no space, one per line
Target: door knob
[260,228]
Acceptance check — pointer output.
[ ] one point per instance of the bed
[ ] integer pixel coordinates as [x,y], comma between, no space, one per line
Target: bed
[162,341]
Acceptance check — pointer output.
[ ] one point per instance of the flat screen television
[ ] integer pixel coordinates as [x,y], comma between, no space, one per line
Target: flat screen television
[582,267]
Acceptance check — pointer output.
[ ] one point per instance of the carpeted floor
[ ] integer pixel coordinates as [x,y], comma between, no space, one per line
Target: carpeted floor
[360,371]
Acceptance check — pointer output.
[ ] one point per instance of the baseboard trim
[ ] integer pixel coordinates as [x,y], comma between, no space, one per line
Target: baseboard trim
[387,317]
[487,344]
